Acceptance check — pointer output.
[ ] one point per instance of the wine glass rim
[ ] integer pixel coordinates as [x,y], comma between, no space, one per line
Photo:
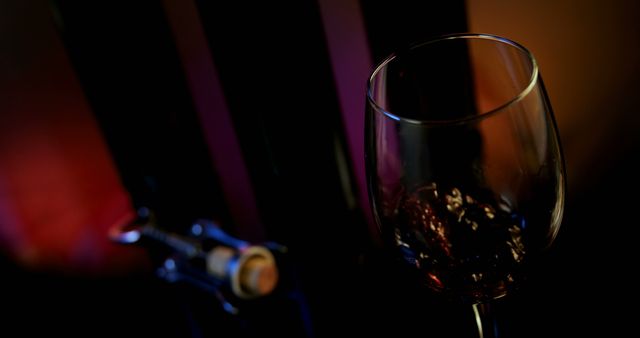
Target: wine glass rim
[482,115]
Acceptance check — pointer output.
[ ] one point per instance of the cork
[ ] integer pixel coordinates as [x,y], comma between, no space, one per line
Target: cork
[251,271]
[258,276]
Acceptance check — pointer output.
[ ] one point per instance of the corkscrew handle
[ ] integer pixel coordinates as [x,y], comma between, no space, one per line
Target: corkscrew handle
[206,229]
[210,230]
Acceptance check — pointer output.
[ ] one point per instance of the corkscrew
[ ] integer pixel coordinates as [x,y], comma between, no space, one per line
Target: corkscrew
[248,270]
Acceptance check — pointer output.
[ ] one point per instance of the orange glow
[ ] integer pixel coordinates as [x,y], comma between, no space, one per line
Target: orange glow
[587,53]
[435,280]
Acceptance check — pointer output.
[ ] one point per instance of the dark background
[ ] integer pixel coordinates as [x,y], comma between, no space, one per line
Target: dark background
[101,110]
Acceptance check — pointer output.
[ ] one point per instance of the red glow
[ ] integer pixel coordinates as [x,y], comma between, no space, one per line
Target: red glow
[59,190]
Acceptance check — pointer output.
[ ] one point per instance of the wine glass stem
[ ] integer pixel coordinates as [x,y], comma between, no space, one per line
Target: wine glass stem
[486,321]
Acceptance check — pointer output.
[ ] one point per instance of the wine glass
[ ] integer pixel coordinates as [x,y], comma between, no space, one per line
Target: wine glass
[464,165]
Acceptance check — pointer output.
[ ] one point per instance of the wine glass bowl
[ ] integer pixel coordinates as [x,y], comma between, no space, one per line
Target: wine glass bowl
[464,165]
